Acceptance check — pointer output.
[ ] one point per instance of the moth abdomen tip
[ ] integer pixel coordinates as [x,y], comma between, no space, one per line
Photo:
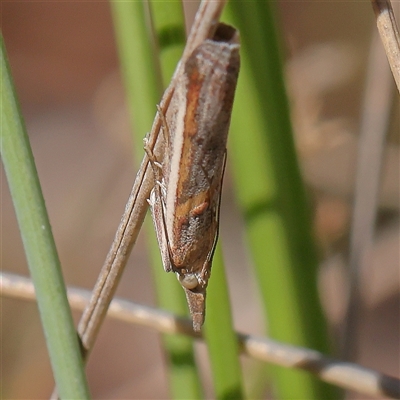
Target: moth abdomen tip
[198,320]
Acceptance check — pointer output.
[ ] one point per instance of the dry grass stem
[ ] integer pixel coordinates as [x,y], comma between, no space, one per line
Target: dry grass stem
[374,124]
[389,33]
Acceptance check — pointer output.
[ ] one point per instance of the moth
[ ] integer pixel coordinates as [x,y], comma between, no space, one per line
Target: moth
[186,198]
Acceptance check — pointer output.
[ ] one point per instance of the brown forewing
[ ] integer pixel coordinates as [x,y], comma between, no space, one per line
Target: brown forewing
[207,89]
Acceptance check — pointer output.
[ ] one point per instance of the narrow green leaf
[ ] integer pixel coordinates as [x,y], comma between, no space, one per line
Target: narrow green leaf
[272,198]
[40,249]
[221,337]
[139,64]
[184,379]
[169,23]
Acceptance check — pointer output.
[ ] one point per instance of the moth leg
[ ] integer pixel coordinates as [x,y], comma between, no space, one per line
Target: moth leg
[155,164]
[157,208]
[157,213]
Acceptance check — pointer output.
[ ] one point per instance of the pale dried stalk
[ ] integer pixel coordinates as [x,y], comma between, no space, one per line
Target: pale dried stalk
[375,119]
[389,33]
[204,27]
[343,374]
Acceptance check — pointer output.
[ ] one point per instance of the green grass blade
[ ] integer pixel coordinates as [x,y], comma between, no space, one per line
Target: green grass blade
[273,200]
[135,43]
[168,20]
[220,336]
[139,65]
[39,244]
[184,379]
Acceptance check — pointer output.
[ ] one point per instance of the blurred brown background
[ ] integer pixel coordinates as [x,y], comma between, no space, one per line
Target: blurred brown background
[64,62]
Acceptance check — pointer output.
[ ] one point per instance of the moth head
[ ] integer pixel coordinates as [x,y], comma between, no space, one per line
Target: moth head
[188,281]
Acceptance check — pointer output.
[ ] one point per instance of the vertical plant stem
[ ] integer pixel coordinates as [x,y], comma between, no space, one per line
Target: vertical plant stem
[272,198]
[373,127]
[139,64]
[40,249]
[220,337]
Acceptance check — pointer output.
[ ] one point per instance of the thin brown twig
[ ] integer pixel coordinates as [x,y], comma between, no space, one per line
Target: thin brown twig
[344,374]
[389,33]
